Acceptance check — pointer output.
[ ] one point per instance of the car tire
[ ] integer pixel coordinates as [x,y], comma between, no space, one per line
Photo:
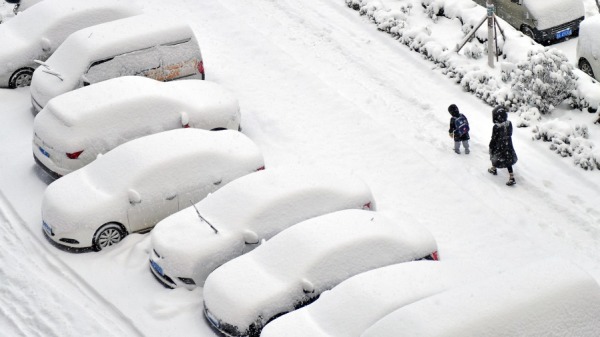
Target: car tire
[108,235]
[527,31]
[21,78]
[585,66]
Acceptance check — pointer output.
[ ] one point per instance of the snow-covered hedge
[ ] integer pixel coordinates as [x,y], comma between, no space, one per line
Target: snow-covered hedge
[532,80]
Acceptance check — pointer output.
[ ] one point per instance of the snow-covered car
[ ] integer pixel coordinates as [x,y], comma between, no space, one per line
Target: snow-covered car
[360,301]
[295,266]
[548,298]
[139,183]
[588,47]
[75,127]
[544,21]
[36,33]
[246,211]
[142,45]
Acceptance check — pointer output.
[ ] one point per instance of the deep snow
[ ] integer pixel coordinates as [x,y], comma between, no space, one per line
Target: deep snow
[318,85]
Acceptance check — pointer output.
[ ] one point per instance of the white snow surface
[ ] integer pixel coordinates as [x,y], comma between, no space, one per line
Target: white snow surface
[319,85]
[260,204]
[546,298]
[312,256]
[552,13]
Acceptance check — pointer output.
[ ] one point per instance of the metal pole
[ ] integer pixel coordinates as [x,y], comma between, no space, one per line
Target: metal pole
[490,19]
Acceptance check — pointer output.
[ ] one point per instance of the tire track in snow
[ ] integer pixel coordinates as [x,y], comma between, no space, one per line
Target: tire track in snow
[41,296]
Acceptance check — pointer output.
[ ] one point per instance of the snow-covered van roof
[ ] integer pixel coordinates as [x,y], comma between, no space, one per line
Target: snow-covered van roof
[103,41]
[547,298]
[304,260]
[357,303]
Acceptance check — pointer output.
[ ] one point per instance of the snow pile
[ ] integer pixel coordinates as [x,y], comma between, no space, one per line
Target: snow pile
[532,80]
[548,298]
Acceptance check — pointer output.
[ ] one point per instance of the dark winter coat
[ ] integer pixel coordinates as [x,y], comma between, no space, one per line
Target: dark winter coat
[457,138]
[502,152]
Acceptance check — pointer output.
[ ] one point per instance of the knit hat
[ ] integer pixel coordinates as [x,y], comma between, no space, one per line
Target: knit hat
[453,110]
[499,114]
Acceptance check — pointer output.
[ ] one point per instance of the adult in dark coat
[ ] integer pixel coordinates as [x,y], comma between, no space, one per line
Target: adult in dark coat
[502,152]
[458,139]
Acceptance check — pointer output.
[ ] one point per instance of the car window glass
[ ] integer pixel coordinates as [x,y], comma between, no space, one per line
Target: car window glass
[145,62]
[179,59]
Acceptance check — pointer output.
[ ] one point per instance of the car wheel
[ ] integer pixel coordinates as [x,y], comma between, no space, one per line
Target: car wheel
[108,235]
[528,32]
[585,66]
[21,78]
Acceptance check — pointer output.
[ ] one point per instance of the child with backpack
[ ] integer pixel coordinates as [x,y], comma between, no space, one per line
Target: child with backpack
[459,129]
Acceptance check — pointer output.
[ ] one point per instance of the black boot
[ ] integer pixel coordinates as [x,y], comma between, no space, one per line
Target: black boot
[492,170]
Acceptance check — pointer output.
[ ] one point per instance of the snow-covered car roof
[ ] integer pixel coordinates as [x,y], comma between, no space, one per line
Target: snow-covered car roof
[260,204]
[299,263]
[550,13]
[47,25]
[357,303]
[547,298]
[88,106]
[589,36]
[106,40]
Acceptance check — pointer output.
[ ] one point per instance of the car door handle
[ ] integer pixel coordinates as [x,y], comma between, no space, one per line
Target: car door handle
[171,197]
[218,182]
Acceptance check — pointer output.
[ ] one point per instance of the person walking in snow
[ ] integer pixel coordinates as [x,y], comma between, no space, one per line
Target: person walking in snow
[502,152]
[459,129]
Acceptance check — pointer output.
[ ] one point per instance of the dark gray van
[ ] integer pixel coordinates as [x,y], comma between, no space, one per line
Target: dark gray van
[545,21]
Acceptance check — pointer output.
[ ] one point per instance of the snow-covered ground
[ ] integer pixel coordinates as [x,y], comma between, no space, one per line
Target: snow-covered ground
[320,86]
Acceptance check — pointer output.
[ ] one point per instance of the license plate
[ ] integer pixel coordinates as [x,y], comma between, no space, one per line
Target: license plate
[44,152]
[563,33]
[46,228]
[156,268]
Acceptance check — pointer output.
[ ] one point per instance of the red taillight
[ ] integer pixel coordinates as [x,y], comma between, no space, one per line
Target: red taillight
[74,155]
[186,126]
[201,67]
[367,205]
[434,256]
[260,168]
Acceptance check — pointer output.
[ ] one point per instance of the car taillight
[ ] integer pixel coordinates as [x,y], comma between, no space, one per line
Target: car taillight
[74,155]
[201,67]
[186,126]
[434,256]
[260,168]
[367,205]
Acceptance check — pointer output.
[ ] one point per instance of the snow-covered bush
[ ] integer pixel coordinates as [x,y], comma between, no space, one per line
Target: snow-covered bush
[473,50]
[527,115]
[569,141]
[544,80]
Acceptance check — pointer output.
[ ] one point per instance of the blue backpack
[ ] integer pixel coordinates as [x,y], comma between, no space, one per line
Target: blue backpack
[461,125]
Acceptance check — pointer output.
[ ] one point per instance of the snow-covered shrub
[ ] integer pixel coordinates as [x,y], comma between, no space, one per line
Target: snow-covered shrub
[569,141]
[472,50]
[527,115]
[544,80]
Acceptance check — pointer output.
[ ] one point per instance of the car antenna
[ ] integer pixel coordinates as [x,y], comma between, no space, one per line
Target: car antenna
[202,218]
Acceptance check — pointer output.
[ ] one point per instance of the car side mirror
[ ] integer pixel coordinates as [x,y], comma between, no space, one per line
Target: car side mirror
[307,286]
[250,237]
[134,196]
[185,120]
[85,81]
[46,45]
